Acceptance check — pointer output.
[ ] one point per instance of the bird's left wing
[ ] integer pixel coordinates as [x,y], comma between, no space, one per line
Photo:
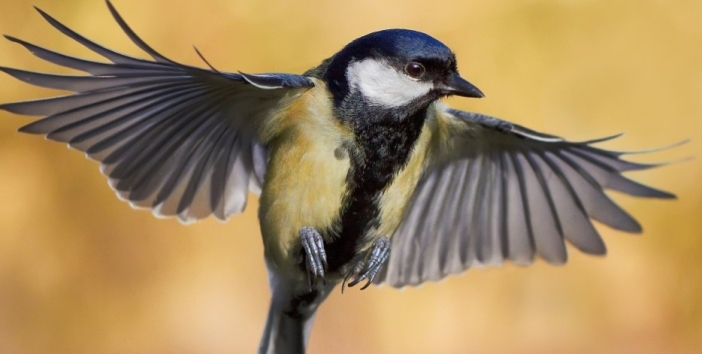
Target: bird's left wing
[178,139]
[496,191]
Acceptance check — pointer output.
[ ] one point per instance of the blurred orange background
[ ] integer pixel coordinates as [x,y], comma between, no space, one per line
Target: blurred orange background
[81,272]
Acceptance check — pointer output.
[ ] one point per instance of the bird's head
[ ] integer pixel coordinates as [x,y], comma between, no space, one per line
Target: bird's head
[395,69]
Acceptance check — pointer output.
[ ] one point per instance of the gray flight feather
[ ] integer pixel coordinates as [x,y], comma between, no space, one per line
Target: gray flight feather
[497,191]
[178,139]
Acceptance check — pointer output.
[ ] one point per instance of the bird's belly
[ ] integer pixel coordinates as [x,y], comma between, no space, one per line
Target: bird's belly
[304,187]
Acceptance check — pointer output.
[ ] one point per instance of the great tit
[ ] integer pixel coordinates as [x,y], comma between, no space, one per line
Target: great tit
[363,175]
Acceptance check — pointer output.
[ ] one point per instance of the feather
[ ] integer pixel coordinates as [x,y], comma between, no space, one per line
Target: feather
[170,137]
[503,191]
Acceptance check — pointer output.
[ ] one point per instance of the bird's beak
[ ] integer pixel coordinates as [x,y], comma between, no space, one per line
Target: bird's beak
[456,85]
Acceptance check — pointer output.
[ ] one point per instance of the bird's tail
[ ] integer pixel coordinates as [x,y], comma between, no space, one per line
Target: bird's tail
[290,317]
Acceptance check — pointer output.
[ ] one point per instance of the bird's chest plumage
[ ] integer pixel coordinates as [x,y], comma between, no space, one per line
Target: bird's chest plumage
[352,184]
[306,175]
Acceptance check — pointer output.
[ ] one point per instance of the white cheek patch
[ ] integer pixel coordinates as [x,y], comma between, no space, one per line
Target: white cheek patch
[384,85]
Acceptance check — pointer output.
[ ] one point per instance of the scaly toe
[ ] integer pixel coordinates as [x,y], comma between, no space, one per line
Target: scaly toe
[315,255]
[379,254]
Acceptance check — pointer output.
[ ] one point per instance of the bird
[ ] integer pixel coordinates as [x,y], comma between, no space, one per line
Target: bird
[364,175]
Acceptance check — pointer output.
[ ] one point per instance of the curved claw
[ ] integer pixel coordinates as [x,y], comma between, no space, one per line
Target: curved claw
[367,270]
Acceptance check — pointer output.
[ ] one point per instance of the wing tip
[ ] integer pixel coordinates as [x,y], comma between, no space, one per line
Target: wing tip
[45,15]
[600,140]
[205,60]
[597,248]
[656,149]
[134,37]
[663,195]
[29,129]
[635,229]
[16,108]
[624,222]
[12,38]
[555,260]
[635,166]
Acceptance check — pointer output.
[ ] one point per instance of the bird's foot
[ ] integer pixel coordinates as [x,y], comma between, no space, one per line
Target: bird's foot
[369,268]
[315,256]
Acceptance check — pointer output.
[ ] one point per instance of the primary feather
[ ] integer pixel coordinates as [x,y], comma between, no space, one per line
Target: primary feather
[178,139]
[497,191]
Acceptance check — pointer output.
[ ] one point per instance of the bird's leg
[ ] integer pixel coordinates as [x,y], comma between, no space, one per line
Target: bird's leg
[315,256]
[369,268]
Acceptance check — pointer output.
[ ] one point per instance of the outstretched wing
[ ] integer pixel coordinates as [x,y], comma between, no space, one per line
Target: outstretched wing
[497,191]
[174,138]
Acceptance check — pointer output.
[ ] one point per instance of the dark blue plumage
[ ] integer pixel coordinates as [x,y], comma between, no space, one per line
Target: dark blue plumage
[396,46]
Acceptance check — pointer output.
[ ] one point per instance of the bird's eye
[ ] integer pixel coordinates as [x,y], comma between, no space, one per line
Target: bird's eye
[415,70]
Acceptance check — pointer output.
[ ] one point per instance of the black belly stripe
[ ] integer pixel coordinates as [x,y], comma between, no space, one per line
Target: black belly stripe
[383,148]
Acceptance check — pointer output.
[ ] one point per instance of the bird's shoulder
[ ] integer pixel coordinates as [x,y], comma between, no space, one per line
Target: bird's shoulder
[308,116]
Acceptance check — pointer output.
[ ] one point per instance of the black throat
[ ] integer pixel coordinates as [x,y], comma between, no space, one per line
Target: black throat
[384,140]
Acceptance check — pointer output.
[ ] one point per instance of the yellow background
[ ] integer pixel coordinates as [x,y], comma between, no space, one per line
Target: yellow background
[80,272]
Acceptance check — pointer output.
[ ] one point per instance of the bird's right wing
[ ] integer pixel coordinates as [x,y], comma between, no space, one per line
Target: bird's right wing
[180,140]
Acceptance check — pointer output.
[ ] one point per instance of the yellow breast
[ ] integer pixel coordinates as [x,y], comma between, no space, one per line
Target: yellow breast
[306,174]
